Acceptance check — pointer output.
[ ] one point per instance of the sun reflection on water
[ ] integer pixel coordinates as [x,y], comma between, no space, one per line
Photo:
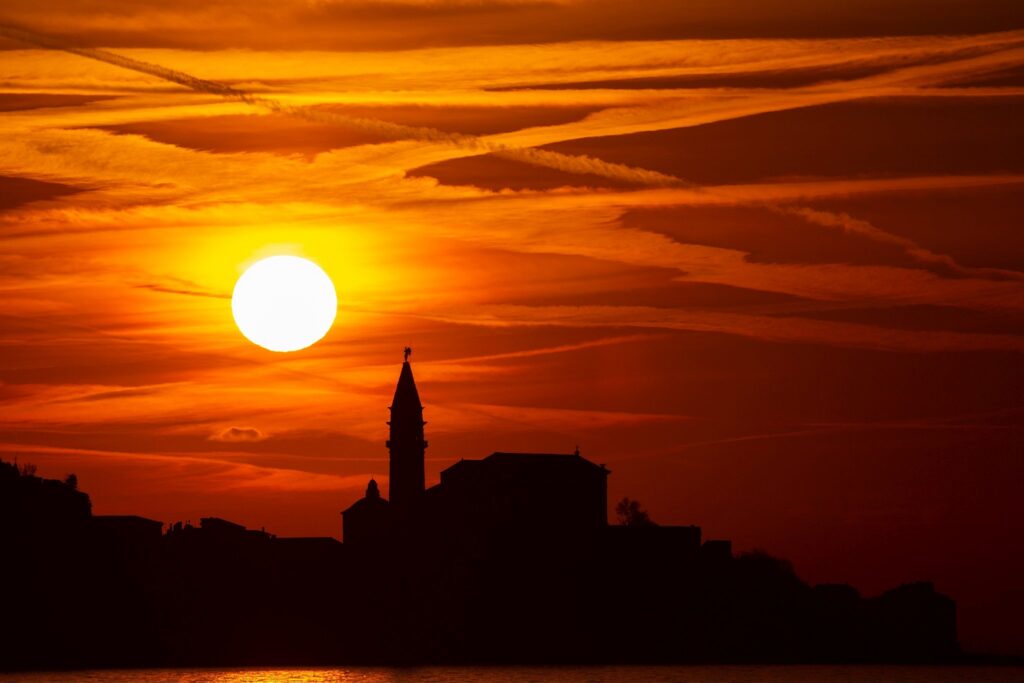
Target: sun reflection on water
[587,674]
[283,676]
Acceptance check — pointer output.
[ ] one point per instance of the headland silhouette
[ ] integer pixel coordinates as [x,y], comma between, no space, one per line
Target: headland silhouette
[508,559]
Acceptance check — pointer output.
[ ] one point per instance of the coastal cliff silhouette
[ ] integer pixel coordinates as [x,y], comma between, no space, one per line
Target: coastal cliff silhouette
[508,559]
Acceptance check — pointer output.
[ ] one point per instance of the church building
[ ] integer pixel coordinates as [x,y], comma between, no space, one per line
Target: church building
[537,495]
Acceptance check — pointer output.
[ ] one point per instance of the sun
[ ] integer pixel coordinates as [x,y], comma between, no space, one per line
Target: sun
[284,303]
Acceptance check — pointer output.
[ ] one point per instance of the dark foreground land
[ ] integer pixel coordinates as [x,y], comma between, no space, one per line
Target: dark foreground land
[80,590]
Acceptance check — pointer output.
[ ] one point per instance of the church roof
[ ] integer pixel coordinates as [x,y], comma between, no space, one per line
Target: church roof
[540,459]
[500,461]
[370,501]
[366,504]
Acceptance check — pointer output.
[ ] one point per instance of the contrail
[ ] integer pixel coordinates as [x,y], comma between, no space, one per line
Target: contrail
[562,162]
[538,157]
[923,255]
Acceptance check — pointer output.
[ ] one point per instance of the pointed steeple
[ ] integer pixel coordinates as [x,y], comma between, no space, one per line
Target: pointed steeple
[406,395]
[406,442]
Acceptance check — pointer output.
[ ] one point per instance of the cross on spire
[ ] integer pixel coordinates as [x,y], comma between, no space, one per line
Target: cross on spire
[408,352]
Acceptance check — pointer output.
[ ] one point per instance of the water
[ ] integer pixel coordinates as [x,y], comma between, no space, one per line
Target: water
[519,674]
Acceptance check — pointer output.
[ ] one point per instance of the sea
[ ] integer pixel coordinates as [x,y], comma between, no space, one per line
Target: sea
[520,674]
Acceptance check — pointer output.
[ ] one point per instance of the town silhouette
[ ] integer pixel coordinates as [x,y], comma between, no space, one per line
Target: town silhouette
[509,559]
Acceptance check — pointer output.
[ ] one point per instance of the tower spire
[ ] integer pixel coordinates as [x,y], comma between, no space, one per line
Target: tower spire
[406,443]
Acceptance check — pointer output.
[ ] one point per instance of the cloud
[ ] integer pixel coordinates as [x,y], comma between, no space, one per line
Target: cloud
[640,118]
[155,287]
[238,435]
[847,223]
[517,146]
[401,24]
[763,327]
[420,133]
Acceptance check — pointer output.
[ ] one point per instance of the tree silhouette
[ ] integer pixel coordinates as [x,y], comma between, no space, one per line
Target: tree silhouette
[629,513]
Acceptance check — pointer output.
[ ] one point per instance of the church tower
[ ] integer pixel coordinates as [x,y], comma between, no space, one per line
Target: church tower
[406,442]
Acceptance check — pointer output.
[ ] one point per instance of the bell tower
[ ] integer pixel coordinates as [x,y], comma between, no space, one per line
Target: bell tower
[406,443]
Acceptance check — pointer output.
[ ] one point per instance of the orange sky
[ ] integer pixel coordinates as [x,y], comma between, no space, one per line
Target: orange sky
[763,259]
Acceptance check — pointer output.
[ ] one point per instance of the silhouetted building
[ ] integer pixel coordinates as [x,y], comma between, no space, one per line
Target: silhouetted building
[367,522]
[509,558]
[133,539]
[537,493]
[504,494]
[130,528]
[215,527]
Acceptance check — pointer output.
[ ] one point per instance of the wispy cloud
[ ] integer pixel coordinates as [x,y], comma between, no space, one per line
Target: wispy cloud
[238,435]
